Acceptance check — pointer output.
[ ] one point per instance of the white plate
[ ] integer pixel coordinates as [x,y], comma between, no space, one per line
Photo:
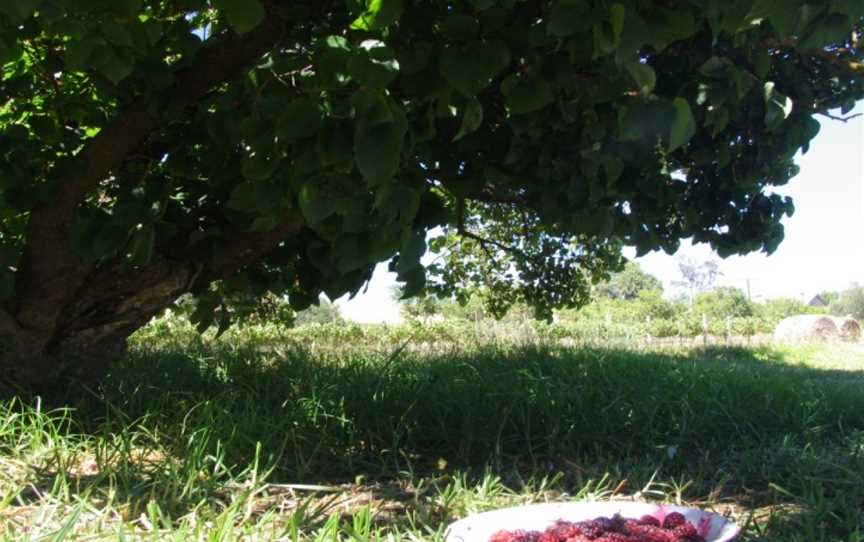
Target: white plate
[537,517]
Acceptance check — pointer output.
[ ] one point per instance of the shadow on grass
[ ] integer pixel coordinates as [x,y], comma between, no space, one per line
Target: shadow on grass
[720,424]
[379,413]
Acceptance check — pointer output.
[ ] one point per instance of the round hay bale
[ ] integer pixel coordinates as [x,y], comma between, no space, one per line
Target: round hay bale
[849,328]
[806,328]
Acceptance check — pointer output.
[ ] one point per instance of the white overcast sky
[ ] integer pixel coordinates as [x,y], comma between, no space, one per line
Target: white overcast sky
[823,248]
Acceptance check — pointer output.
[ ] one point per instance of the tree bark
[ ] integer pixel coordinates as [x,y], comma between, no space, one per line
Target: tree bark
[113,302]
[92,334]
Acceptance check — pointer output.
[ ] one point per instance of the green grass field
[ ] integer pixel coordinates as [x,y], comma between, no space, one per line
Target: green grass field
[232,440]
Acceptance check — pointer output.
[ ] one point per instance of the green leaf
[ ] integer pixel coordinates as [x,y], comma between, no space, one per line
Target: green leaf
[472,118]
[373,64]
[459,27]
[379,14]
[778,106]
[670,122]
[829,30]
[353,253]
[371,107]
[470,69]
[415,281]
[480,5]
[140,250]
[643,75]
[778,13]
[683,126]
[19,10]
[334,143]
[242,15]
[617,14]
[129,8]
[567,17]
[78,53]
[854,9]
[114,64]
[300,119]
[378,151]
[613,166]
[607,34]
[314,204]
[259,167]
[118,34]
[109,239]
[250,197]
[9,51]
[412,250]
[333,56]
[265,222]
[524,95]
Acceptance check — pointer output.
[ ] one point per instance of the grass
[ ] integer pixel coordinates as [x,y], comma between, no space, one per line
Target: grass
[194,440]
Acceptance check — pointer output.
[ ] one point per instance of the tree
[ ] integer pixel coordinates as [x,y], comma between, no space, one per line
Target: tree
[850,302]
[419,307]
[628,283]
[325,312]
[724,302]
[774,310]
[152,148]
[698,277]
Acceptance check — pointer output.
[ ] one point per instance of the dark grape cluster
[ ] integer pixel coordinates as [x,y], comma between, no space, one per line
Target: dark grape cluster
[674,528]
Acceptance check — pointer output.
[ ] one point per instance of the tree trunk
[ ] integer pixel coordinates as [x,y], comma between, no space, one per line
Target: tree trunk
[91,334]
[56,372]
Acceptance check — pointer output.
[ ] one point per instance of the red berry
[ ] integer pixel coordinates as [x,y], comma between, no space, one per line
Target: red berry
[564,530]
[615,537]
[687,531]
[515,536]
[650,532]
[591,529]
[673,520]
[649,520]
[501,536]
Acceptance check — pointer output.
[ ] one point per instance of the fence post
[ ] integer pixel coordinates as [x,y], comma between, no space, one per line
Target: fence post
[728,329]
[704,329]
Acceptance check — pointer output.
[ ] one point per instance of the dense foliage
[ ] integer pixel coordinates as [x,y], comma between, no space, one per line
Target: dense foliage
[237,147]
[849,302]
[628,283]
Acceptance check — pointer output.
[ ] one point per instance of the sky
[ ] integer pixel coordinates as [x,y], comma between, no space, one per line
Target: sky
[823,248]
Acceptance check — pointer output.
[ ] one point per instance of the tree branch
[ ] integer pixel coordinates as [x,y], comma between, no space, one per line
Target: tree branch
[119,293]
[490,197]
[244,248]
[841,118]
[51,273]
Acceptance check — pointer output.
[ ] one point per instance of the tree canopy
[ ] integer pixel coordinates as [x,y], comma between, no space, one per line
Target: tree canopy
[628,283]
[152,148]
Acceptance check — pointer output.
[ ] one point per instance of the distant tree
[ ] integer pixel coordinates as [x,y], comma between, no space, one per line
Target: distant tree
[325,312]
[774,310]
[850,302]
[650,303]
[628,283]
[422,306]
[829,297]
[723,302]
[697,277]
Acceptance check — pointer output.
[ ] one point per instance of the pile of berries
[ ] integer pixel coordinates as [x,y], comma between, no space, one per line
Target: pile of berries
[674,528]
